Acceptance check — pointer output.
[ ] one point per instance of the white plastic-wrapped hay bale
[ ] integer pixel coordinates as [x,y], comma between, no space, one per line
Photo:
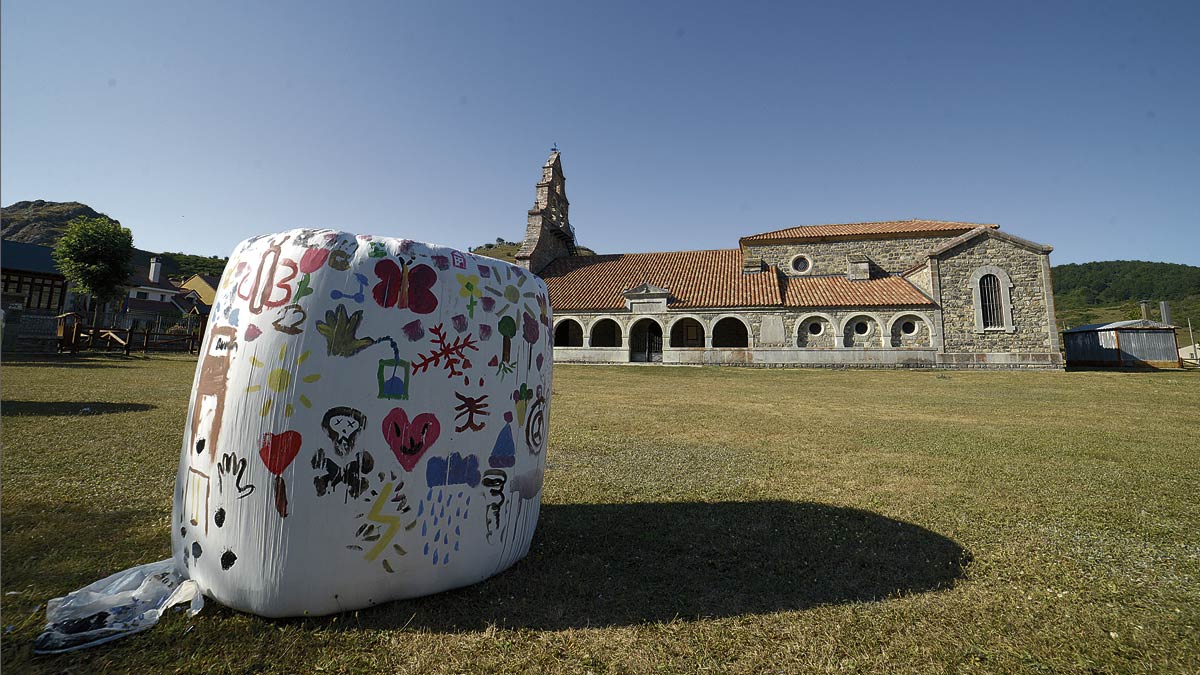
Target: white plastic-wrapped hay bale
[368,423]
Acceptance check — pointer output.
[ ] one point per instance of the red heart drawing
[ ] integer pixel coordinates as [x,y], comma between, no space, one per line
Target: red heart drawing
[410,440]
[278,450]
[252,332]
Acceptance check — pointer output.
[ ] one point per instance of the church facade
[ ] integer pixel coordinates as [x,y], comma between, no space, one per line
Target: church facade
[909,293]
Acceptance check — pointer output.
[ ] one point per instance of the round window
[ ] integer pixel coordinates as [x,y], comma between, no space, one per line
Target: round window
[908,327]
[862,328]
[801,264]
[815,328]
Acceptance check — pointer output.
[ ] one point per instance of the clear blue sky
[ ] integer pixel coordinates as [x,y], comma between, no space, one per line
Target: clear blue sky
[682,126]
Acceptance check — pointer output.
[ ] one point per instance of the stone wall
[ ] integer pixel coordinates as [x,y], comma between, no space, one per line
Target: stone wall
[922,335]
[922,279]
[1028,271]
[829,257]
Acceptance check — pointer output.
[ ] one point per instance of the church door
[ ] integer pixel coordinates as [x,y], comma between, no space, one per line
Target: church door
[645,342]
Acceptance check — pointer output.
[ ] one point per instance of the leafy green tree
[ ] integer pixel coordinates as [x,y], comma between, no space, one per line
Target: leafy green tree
[95,255]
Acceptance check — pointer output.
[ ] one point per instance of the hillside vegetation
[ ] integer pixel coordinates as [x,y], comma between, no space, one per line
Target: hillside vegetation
[40,221]
[507,250]
[1109,291]
[186,264]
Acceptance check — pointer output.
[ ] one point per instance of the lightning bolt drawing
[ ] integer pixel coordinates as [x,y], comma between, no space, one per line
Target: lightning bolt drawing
[376,516]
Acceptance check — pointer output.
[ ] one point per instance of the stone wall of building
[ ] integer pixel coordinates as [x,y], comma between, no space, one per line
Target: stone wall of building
[891,256]
[1033,330]
[922,335]
[922,279]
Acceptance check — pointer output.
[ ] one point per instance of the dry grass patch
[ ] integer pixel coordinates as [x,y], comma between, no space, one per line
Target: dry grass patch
[695,520]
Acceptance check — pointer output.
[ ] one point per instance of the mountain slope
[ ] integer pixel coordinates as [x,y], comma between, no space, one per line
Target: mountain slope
[1110,290]
[40,221]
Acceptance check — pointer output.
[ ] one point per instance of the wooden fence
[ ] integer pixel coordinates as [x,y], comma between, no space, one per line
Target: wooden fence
[74,337]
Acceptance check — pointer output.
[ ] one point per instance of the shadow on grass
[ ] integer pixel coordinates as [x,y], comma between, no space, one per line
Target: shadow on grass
[620,564]
[591,565]
[51,408]
[68,361]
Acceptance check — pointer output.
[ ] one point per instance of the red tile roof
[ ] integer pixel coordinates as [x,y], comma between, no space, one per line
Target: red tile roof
[862,230]
[838,291]
[694,278]
[702,279]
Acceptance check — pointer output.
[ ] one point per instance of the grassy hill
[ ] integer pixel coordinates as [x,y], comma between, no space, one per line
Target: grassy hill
[40,221]
[507,250]
[1110,290]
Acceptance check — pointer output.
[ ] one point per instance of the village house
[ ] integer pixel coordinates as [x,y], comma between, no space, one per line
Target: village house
[906,293]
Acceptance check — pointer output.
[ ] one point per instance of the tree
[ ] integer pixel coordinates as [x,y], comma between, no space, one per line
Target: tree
[95,255]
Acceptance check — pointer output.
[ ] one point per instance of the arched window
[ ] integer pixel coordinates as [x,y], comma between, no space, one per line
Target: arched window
[687,332]
[606,333]
[730,332]
[990,305]
[991,293]
[568,334]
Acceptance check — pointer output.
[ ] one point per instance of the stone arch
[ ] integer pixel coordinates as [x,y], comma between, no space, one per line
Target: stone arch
[568,332]
[850,337]
[687,331]
[645,340]
[730,331]
[805,339]
[922,337]
[605,331]
[1006,286]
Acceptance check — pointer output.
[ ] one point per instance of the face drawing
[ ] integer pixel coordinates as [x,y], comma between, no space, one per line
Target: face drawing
[343,425]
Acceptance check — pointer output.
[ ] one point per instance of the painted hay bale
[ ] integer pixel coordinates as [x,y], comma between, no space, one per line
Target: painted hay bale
[368,422]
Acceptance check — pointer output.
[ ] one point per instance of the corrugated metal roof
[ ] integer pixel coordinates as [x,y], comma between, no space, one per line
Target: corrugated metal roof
[694,278]
[1132,323]
[851,230]
[839,291]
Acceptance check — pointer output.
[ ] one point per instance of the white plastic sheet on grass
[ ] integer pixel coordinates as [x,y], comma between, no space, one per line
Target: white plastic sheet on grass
[122,604]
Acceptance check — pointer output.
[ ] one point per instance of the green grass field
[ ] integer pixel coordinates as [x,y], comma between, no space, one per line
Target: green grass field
[695,520]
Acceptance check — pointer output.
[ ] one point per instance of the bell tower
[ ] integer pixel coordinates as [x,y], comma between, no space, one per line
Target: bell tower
[548,231]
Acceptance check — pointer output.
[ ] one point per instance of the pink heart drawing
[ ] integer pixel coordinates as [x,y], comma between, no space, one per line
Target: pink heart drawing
[409,440]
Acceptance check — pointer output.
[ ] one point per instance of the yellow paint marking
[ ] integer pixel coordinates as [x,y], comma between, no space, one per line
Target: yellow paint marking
[376,516]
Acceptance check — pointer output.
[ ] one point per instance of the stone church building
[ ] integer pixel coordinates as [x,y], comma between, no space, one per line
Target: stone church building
[907,293]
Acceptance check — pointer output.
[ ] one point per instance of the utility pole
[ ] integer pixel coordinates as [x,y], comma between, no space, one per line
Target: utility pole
[1192,339]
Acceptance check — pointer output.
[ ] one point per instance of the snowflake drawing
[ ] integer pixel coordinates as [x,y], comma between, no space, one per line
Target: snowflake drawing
[448,356]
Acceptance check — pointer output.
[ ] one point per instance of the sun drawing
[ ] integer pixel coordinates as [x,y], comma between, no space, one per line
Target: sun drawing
[279,380]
